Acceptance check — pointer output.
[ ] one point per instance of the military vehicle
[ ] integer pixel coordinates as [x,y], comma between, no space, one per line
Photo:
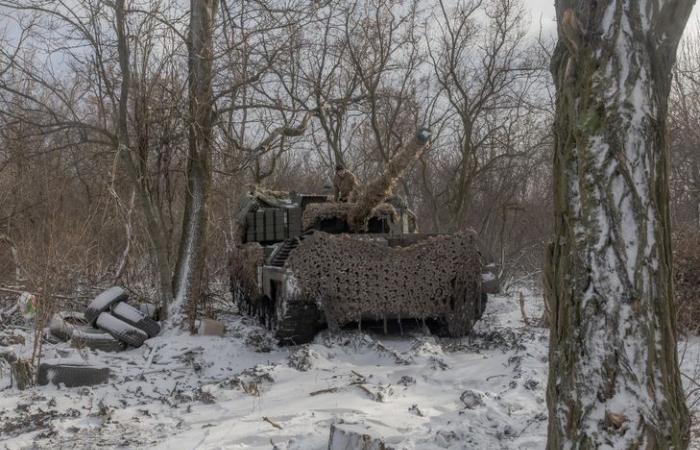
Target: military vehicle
[305,262]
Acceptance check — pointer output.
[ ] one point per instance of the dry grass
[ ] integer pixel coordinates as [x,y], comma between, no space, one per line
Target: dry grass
[686,254]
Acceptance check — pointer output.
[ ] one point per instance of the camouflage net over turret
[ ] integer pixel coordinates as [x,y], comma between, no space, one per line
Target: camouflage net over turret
[316,212]
[353,278]
[374,193]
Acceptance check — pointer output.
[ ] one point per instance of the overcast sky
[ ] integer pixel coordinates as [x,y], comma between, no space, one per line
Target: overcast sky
[544,8]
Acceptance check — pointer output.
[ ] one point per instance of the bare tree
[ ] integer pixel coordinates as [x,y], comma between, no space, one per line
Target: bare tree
[684,118]
[484,71]
[190,280]
[92,106]
[613,369]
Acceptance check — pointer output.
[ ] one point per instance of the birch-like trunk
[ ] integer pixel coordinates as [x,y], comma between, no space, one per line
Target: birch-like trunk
[189,275]
[614,380]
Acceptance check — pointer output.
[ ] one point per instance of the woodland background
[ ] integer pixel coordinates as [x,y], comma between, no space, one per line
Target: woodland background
[297,87]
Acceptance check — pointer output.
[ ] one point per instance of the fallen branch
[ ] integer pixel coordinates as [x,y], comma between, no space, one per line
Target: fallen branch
[521,300]
[397,356]
[165,369]
[360,376]
[324,391]
[276,425]
[495,376]
[62,297]
[370,393]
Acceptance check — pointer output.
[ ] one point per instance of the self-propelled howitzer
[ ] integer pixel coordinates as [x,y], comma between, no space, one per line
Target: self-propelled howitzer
[305,262]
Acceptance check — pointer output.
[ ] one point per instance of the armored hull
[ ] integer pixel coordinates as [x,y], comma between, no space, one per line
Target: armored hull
[320,279]
[306,261]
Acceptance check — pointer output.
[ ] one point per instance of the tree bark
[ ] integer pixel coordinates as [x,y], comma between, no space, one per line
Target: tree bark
[614,380]
[189,275]
[156,236]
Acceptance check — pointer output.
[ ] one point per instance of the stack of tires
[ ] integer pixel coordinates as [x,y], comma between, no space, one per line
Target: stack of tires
[109,323]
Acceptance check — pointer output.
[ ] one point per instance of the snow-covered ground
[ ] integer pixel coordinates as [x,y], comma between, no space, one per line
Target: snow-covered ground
[243,392]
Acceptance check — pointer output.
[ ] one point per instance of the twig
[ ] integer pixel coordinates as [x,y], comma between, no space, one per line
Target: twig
[14,291]
[691,380]
[362,377]
[62,297]
[324,391]
[494,376]
[165,369]
[521,300]
[370,393]
[173,390]
[276,425]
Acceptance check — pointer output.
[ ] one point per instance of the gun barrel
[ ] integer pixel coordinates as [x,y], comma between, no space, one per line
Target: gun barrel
[376,191]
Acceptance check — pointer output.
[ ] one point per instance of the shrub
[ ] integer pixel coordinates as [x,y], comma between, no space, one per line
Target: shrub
[686,253]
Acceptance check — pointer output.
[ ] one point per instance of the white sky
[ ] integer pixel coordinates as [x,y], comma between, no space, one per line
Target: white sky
[542,10]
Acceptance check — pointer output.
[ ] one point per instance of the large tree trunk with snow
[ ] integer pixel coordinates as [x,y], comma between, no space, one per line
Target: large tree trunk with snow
[614,380]
[189,274]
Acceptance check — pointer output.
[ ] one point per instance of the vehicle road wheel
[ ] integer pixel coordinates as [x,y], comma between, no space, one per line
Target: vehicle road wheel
[136,318]
[102,302]
[121,330]
[71,375]
[64,323]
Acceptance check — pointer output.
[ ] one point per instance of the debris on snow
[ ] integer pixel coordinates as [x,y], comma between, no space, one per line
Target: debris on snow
[359,437]
[210,327]
[471,399]
[183,391]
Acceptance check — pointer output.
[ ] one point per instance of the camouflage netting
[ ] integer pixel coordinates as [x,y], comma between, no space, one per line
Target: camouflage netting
[355,278]
[255,196]
[341,211]
[268,194]
[243,269]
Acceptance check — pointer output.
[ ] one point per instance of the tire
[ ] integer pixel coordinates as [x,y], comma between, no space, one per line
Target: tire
[64,323]
[135,318]
[149,309]
[121,330]
[88,337]
[102,303]
[71,375]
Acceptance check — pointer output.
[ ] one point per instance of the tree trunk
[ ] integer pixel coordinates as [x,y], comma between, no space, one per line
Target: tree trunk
[696,189]
[189,276]
[156,236]
[614,380]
